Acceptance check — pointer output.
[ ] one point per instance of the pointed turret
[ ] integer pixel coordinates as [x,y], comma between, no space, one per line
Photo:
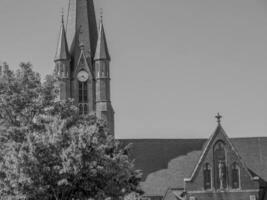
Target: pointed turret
[102,52]
[62,64]
[62,52]
[104,108]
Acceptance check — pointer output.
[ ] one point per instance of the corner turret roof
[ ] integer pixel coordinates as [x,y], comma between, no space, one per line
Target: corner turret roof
[62,52]
[102,52]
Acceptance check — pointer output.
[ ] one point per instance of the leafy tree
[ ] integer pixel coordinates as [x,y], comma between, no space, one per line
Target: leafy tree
[50,152]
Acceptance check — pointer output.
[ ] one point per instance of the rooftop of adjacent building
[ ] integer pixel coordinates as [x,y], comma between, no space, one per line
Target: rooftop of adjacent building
[166,162]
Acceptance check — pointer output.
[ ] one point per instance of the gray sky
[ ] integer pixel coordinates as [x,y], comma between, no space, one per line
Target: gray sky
[175,63]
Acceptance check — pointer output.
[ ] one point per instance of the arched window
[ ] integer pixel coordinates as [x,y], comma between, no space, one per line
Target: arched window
[207,176]
[220,176]
[83,97]
[235,176]
[57,69]
[61,69]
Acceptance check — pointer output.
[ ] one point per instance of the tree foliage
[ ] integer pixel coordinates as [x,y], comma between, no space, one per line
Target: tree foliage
[50,152]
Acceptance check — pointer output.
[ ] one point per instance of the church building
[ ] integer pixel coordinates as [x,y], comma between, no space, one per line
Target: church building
[218,168]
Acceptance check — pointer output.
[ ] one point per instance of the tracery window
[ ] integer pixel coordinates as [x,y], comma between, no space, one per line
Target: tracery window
[235,176]
[207,176]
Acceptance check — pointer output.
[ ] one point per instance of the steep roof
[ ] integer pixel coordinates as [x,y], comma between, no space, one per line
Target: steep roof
[154,154]
[62,52]
[165,163]
[102,52]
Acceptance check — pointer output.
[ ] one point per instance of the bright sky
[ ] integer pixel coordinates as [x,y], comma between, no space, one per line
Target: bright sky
[175,63]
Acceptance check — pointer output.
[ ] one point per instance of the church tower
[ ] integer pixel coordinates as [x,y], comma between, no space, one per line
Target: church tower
[82,62]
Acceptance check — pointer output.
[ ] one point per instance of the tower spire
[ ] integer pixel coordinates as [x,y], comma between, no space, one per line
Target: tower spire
[81,27]
[62,16]
[62,52]
[102,52]
[101,16]
[62,64]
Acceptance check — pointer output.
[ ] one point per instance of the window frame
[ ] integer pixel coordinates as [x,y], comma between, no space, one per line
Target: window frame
[83,97]
[207,167]
[235,166]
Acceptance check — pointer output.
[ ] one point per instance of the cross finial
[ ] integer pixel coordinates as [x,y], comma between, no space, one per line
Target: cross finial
[62,15]
[101,15]
[218,117]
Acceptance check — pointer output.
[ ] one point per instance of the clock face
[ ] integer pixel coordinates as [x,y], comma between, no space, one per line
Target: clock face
[82,76]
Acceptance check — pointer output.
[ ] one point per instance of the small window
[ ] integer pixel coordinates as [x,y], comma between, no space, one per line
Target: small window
[61,69]
[102,71]
[235,176]
[207,176]
[57,71]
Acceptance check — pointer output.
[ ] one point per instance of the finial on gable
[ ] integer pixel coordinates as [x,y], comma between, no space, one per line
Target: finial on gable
[218,117]
[62,15]
[101,15]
